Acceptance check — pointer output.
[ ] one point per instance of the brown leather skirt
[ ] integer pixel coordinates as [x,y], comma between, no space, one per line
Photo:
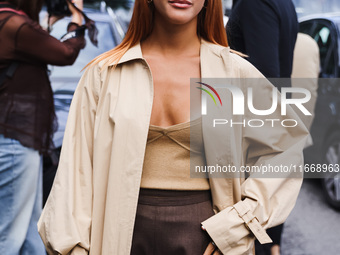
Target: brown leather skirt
[169,222]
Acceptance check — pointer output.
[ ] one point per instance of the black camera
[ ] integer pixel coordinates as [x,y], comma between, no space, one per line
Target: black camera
[58,8]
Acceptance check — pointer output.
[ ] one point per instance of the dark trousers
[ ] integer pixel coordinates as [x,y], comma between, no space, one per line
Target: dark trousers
[169,222]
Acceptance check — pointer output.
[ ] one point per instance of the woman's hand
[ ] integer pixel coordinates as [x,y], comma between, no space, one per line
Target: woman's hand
[77,17]
[212,250]
[54,19]
[47,22]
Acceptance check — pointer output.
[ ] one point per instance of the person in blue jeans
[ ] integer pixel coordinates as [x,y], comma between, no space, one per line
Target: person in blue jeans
[21,198]
[27,117]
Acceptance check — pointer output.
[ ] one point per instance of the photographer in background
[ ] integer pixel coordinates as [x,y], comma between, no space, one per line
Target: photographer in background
[57,9]
[27,116]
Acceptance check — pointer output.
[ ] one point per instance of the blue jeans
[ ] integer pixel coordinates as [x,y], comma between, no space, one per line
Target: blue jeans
[20,199]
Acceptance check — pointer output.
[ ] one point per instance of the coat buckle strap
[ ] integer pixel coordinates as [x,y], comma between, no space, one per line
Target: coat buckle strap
[252,223]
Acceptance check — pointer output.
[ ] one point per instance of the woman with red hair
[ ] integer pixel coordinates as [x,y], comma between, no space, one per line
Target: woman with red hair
[123,184]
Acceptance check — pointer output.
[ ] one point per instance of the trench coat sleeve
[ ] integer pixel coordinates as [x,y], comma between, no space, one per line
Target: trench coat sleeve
[65,223]
[265,202]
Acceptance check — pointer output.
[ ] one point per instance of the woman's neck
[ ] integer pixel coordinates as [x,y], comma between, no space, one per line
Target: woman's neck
[172,39]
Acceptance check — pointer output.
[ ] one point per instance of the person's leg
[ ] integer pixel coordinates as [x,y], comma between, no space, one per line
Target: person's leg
[271,248]
[33,243]
[19,175]
[275,249]
[275,234]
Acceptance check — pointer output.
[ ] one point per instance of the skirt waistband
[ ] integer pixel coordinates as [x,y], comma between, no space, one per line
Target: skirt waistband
[173,197]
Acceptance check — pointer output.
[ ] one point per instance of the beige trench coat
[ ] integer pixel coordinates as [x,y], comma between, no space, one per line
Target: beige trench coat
[92,205]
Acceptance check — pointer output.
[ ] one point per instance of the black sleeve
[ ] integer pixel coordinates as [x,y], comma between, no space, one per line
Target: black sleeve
[261,32]
[32,42]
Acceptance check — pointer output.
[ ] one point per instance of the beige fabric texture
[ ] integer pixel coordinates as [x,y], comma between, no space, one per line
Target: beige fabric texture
[306,69]
[92,205]
[168,155]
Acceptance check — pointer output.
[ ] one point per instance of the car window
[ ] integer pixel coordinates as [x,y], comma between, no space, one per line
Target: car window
[324,38]
[105,43]
[323,35]
[307,27]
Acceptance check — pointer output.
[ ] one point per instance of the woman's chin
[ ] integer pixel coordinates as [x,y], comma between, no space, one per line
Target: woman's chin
[179,19]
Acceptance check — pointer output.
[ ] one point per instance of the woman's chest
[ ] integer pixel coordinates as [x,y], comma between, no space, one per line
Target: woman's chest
[172,89]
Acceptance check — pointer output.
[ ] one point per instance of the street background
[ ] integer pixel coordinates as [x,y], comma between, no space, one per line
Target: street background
[313,227]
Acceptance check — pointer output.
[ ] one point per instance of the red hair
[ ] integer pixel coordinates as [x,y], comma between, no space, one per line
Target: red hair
[210,27]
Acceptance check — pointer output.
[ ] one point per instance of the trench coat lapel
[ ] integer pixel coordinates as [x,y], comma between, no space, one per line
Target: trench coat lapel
[217,141]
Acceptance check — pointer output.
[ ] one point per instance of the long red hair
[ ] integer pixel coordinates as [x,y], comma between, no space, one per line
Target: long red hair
[210,27]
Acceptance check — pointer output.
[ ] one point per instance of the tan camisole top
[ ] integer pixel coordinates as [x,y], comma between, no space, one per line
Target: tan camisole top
[167,157]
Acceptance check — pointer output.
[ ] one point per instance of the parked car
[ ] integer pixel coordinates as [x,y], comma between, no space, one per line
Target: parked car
[64,80]
[325,130]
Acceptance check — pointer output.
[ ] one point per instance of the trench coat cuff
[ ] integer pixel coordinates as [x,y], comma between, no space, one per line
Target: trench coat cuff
[79,251]
[252,223]
[232,229]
